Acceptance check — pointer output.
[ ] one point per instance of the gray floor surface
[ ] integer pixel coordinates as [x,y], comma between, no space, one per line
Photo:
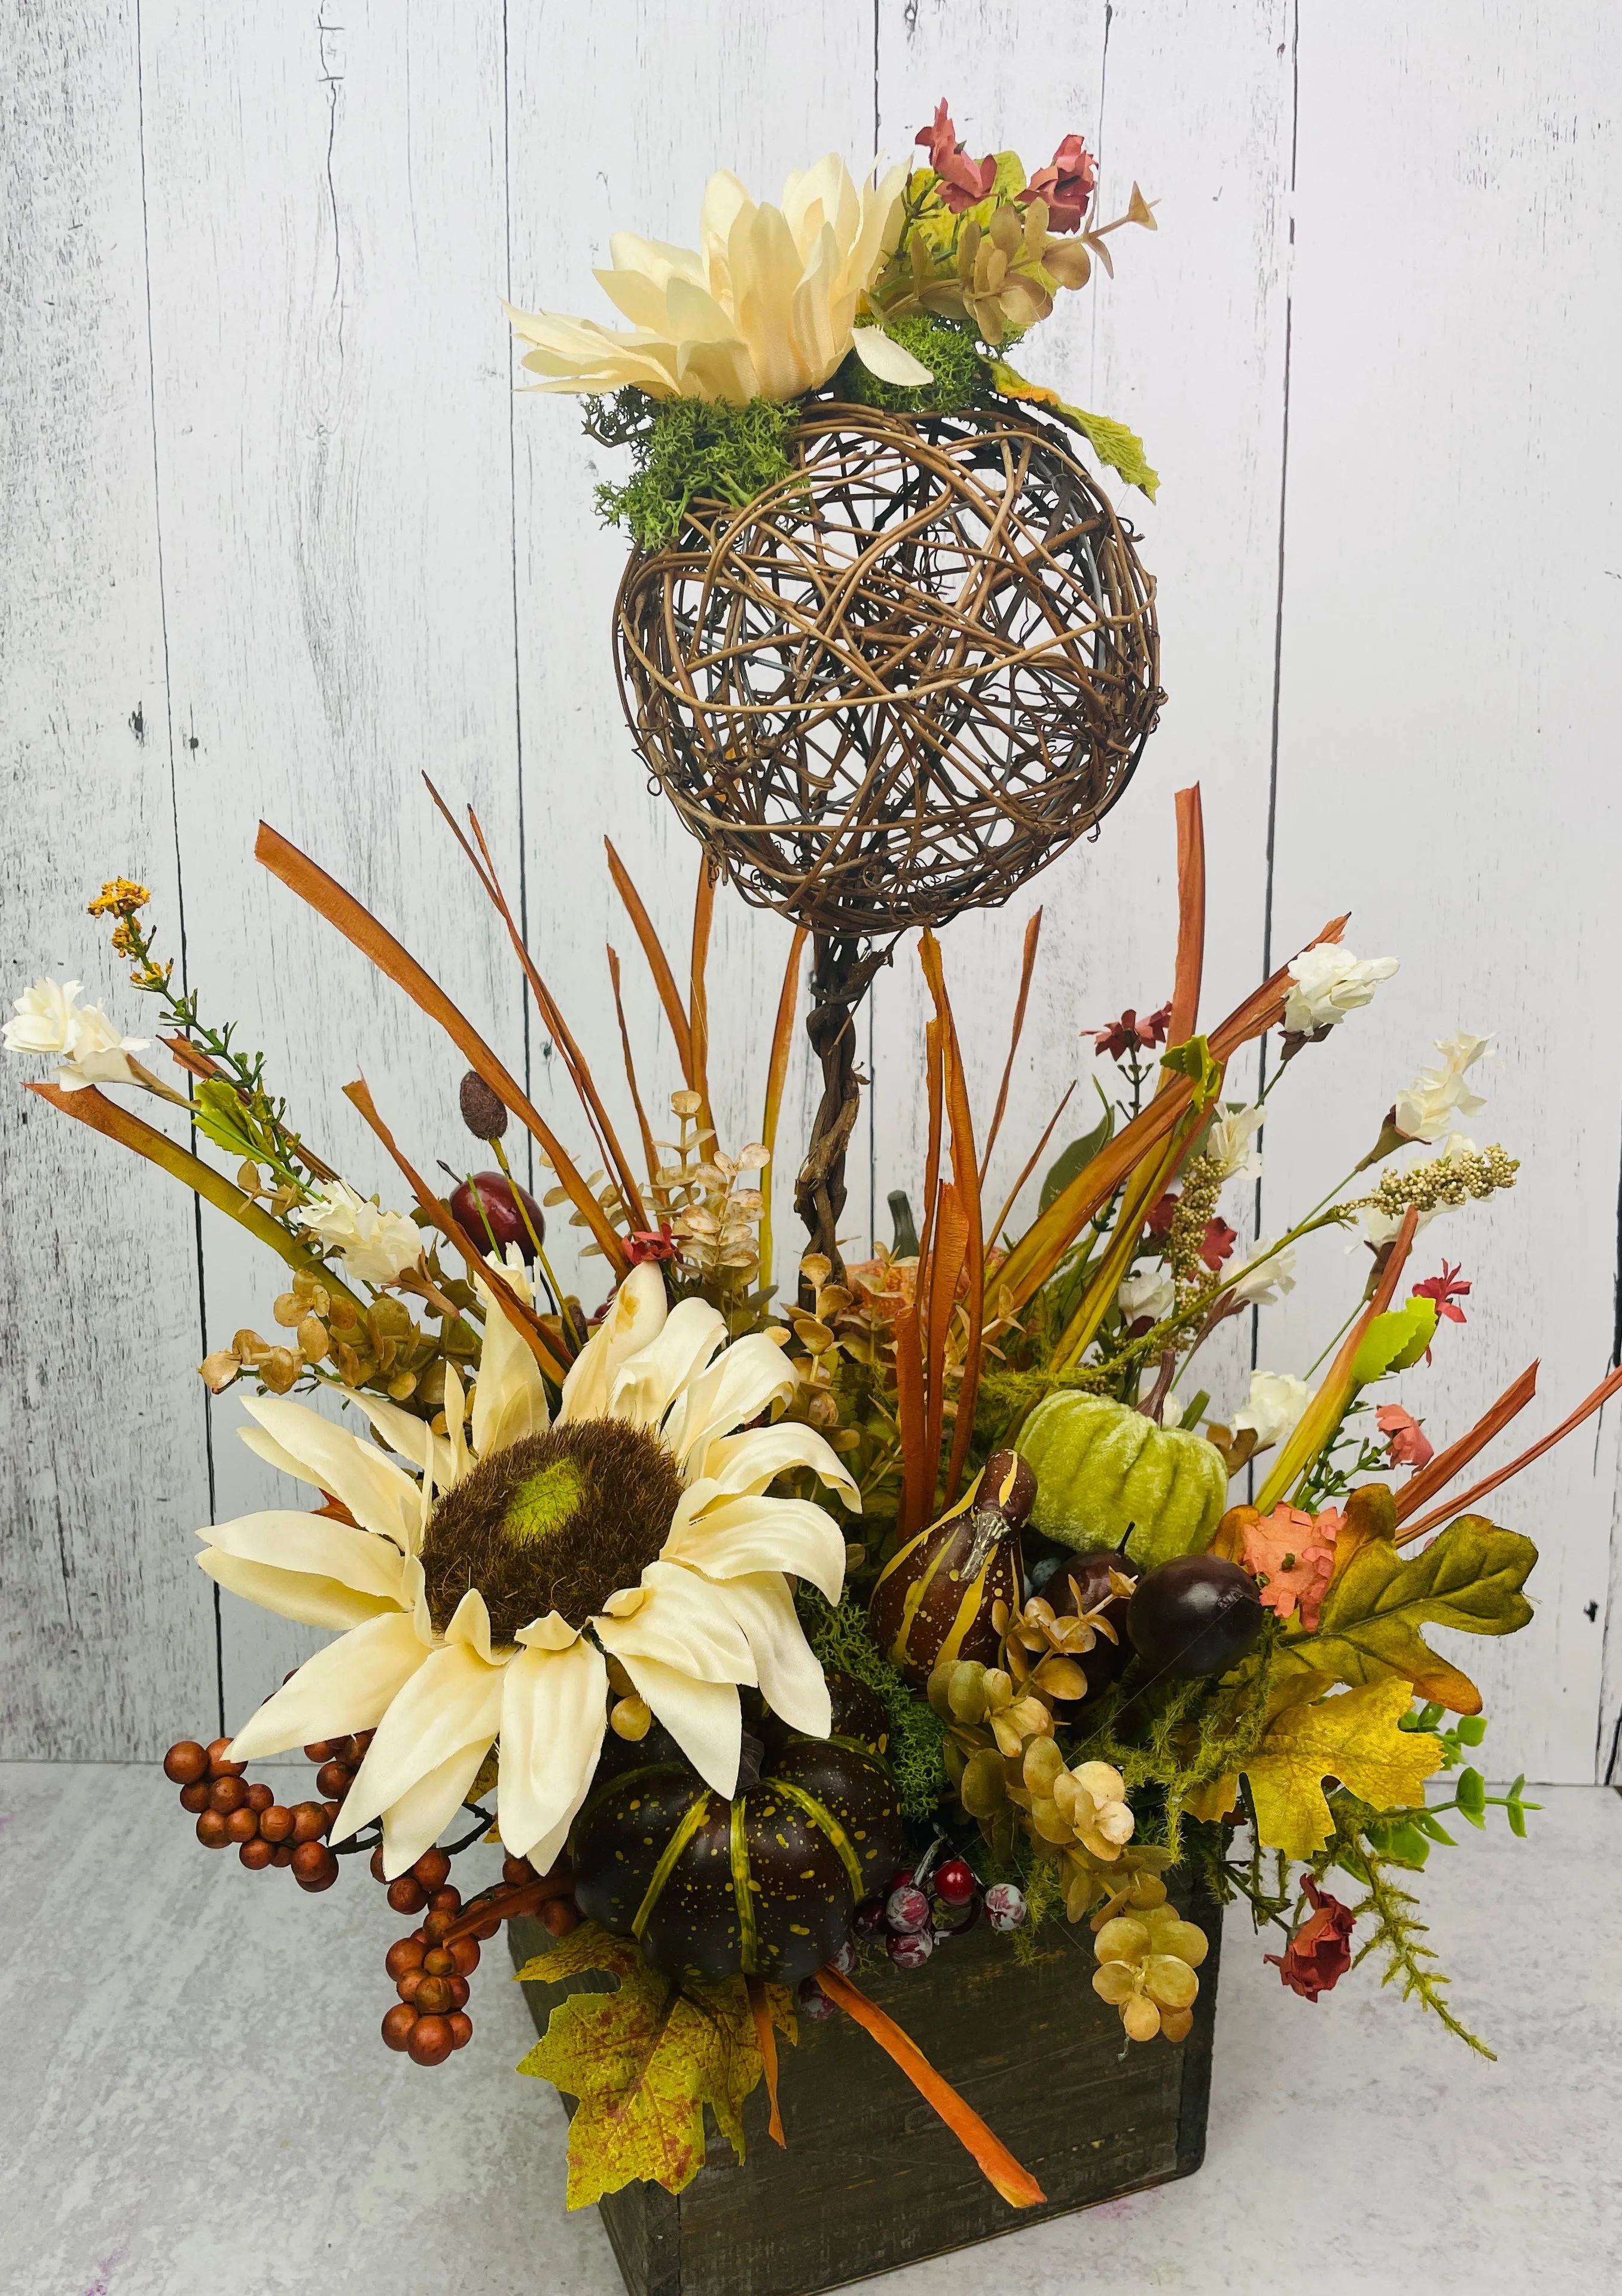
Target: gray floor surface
[194,2100]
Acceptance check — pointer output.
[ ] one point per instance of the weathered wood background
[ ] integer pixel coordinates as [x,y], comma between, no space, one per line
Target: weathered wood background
[276,535]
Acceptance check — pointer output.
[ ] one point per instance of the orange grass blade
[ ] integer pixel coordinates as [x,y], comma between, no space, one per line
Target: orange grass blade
[934,1090]
[910,1424]
[1042,1247]
[648,1149]
[1031,1161]
[990,2155]
[329,899]
[1033,934]
[776,1077]
[1149,1184]
[698,1001]
[966,1179]
[524,1320]
[1451,1508]
[89,1106]
[765,2040]
[1327,1408]
[947,1254]
[659,964]
[549,1009]
[1190,919]
[1458,1455]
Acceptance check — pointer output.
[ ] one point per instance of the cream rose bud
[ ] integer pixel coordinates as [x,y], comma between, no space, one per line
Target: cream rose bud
[1327,982]
[1265,1276]
[1436,1095]
[49,1020]
[1277,1400]
[1228,1142]
[1147,1291]
[375,1245]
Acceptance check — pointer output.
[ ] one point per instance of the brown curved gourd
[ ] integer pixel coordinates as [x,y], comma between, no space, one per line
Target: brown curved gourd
[950,1591]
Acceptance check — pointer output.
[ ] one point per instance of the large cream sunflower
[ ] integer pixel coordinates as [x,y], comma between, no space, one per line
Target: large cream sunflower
[484,1590]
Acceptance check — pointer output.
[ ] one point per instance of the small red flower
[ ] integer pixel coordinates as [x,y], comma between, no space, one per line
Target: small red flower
[1131,1035]
[1319,1953]
[650,1243]
[1066,184]
[1161,1214]
[1443,1289]
[963,182]
[1218,1244]
[1410,1446]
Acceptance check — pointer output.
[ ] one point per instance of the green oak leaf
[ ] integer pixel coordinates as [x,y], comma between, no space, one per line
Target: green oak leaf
[1469,1578]
[1394,1342]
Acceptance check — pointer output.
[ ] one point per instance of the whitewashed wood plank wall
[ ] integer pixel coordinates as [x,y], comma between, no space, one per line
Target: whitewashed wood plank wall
[276,535]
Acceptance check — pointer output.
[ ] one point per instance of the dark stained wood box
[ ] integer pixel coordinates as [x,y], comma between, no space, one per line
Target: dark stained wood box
[871,2179]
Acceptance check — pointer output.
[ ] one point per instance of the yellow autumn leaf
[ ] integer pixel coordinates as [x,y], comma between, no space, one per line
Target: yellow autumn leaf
[644,2062]
[1214,1799]
[1352,1737]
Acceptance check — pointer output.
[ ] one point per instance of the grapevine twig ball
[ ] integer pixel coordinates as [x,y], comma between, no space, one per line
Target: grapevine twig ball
[899,682]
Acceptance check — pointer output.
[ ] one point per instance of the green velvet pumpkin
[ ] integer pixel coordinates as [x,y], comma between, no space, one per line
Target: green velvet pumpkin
[1102,1470]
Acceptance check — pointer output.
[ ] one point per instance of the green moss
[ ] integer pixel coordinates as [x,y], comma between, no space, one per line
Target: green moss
[961,374]
[687,450]
[840,1639]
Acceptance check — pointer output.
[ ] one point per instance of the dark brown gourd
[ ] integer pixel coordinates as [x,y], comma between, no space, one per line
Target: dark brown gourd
[765,1883]
[950,1591]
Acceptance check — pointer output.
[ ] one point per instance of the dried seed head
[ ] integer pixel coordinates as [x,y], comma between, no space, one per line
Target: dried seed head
[483,1111]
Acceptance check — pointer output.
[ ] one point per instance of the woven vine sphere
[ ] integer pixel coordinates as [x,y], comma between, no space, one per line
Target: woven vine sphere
[901,681]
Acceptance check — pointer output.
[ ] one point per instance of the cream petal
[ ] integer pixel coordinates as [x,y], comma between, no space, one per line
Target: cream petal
[265,1446]
[553,1713]
[412,1438]
[314,1545]
[656,259]
[415,1822]
[379,1495]
[751,1375]
[882,356]
[347,1687]
[676,1619]
[744,1465]
[455,1423]
[636,1319]
[733,1537]
[452,1702]
[311,1600]
[648,1383]
[703,1717]
[791,1679]
[509,1398]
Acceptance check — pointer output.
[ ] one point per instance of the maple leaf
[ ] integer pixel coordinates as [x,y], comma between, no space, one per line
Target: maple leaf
[1470,1576]
[1352,1737]
[644,2062]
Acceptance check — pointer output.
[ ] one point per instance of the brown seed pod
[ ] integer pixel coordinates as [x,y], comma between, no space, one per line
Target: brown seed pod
[461,2027]
[275,1824]
[398,2027]
[186,1762]
[432,1869]
[212,1830]
[333,1779]
[310,1821]
[260,1796]
[433,1995]
[950,1591]
[242,1825]
[226,1794]
[257,1854]
[406,1896]
[406,1952]
[431,2041]
[483,1110]
[195,1796]
[220,1764]
[559,1915]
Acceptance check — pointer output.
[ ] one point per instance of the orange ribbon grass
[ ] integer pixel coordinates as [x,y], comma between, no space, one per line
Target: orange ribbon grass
[990,2155]
[1458,1455]
[765,2039]
[1451,1508]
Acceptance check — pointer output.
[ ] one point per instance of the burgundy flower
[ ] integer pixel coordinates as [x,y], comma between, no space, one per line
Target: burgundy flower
[1319,1953]
[1443,1289]
[963,182]
[1161,1214]
[650,1243]
[1218,1244]
[1066,184]
[1131,1035]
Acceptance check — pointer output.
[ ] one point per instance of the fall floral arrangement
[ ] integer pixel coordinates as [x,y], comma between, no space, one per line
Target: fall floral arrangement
[772,1639]
[777,1639]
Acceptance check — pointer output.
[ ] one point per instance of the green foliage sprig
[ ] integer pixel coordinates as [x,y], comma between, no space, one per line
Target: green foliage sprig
[687,450]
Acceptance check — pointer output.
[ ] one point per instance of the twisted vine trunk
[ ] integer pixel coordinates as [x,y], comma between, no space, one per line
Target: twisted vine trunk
[842,971]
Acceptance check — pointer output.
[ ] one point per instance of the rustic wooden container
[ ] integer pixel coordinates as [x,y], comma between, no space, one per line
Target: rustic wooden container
[871,2179]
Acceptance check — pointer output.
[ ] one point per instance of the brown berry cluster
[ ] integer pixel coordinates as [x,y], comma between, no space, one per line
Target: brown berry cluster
[229,1810]
[430,1968]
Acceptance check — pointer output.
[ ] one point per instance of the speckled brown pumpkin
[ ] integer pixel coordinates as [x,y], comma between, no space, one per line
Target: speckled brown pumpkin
[950,1591]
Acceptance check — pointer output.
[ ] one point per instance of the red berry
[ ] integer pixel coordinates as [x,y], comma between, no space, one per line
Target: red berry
[445,1901]
[212,1830]
[516,1871]
[488,1205]
[869,1919]
[430,2041]
[432,1869]
[906,1908]
[242,1825]
[275,1824]
[461,2027]
[315,1867]
[408,1953]
[465,1954]
[195,1796]
[459,1991]
[910,1950]
[220,1764]
[406,1896]
[954,1880]
[257,1854]
[408,1985]
[226,1794]
[309,1821]
[1005,1905]
[812,2001]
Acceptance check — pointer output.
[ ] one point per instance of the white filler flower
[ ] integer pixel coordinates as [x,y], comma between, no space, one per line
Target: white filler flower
[1277,1400]
[1327,982]
[375,1245]
[50,1020]
[1262,1280]
[483,1598]
[1428,1106]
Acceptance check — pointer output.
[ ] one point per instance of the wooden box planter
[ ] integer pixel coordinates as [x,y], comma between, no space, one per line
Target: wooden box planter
[871,2178]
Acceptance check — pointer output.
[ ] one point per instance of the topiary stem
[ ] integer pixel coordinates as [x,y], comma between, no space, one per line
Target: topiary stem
[842,970]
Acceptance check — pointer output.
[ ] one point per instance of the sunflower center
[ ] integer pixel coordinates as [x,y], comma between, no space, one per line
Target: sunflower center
[554,1523]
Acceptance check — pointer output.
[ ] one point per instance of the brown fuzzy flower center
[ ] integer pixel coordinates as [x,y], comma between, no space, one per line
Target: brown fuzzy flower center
[554,1523]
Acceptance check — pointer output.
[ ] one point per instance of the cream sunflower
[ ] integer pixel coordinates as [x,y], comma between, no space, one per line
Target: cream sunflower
[484,1588]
